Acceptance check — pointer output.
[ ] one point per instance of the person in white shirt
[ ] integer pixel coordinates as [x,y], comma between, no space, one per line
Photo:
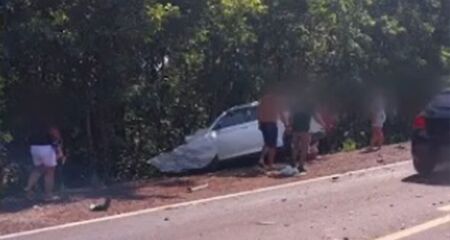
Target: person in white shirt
[378,118]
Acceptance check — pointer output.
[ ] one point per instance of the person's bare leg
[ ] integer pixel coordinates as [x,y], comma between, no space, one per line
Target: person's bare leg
[381,137]
[33,179]
[305,140]
[373,140]
[271,157]
[295,149]
[262,158]
[313,150]
[377,139]
[49,181]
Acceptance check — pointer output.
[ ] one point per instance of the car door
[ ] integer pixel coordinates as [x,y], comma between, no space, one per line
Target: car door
[253,138]
[232,134]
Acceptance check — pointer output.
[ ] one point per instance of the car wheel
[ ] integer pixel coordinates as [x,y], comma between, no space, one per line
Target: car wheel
[424,159]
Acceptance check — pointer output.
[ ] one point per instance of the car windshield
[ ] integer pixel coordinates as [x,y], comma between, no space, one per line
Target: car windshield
[235,117]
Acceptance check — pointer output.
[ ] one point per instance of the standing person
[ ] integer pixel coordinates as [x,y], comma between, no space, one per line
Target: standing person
[302,113]
[318,133]
[269,111]
[378,118]
[287,138]
[57,139]
[330,120]
[44,158]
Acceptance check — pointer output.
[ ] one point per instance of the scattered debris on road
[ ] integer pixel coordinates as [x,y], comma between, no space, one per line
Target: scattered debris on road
[169,189]
[284,172]
[335,178]
[400,147]
[37,207]
[101,205]
[198,188]
[380,161]
[266,223]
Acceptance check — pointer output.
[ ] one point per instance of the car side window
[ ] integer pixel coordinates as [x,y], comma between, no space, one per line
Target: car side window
[250,114]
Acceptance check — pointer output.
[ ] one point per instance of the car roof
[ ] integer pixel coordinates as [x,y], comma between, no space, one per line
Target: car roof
[445,91]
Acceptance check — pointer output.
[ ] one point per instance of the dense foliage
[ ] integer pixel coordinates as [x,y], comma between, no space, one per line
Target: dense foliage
[128,78]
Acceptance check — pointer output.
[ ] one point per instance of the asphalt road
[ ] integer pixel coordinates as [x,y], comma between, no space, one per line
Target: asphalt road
[385,203]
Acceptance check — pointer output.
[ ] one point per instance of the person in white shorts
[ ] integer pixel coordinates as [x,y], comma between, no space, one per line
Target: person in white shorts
[44,156]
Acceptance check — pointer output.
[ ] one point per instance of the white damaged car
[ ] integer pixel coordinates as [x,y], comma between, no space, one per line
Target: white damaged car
[233,134]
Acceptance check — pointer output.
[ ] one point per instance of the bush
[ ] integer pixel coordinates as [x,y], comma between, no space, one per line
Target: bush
[349,145]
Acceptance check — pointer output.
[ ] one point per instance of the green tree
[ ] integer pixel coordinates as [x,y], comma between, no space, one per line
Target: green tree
[128,79]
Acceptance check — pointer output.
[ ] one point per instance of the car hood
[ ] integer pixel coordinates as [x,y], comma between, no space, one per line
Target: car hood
[197,153]
[197,134]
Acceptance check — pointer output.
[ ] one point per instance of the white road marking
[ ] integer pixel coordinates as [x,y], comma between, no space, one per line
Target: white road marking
[444,208]
[417,229]
[196,202]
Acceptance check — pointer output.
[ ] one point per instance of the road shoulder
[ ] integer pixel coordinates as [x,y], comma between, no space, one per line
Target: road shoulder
[21,216]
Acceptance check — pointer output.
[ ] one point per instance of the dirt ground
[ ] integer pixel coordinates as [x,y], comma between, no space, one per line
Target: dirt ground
[20,215]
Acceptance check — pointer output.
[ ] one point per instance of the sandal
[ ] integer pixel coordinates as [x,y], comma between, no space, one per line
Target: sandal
[51,198]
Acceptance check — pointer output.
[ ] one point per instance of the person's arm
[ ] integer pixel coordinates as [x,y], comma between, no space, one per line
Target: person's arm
[58,143]
[284,114]
[287,122]
[62,156]
[284,117]
[318,117]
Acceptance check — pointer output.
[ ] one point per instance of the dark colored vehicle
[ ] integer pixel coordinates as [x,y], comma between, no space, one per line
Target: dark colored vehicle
[431,134]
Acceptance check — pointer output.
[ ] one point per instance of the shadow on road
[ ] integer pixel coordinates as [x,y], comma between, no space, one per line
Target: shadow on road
[438,178]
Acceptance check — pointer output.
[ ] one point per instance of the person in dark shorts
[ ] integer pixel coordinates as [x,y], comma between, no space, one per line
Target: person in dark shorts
[302,113]
[301,137]
[269,131]
[269,111]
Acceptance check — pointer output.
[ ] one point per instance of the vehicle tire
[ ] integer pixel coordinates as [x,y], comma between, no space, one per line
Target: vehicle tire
[424,159]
